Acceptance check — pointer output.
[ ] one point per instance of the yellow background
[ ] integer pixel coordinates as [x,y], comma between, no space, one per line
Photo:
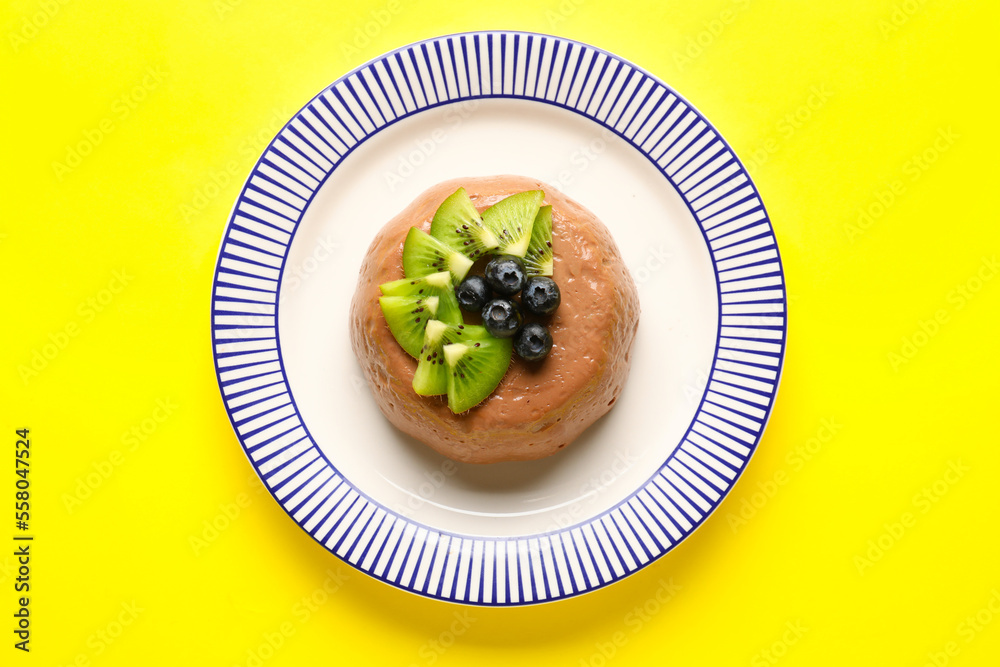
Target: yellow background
[216,80]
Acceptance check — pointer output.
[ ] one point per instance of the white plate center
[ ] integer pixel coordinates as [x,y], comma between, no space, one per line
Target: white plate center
[659,240]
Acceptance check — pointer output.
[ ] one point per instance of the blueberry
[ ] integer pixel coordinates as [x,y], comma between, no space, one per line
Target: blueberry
[473,293]
[533,342]
[506,275]
[502,318]
[540,295]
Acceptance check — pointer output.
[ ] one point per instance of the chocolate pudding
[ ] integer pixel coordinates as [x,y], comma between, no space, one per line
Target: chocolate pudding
[539,407]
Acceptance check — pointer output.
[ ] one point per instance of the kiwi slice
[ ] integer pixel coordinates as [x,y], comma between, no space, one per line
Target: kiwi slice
[431,376]
[415,286]
[435,284]
[538,258]
[459,226]
[475,368]
[511,220]
[423,255]
[407,316]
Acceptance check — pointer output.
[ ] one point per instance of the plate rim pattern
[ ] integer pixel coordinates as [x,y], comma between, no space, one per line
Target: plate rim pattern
[733,410]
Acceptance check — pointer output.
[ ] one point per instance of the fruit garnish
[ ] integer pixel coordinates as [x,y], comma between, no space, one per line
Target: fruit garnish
[459,226]
[505,274]
[540,295]
[474,370]
[502,317]
[511,220]
[435,284]
[473,293]
[532,342]
[423,255]
[424,309]
[407,316]
[538,258]
[431,376]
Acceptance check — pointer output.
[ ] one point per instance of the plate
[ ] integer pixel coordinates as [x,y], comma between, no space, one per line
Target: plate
[706,363]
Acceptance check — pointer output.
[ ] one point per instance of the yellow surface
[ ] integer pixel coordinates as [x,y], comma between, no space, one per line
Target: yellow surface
[107,263]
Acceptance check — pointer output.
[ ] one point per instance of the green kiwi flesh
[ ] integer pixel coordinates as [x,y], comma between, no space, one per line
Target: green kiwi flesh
[431,376]
[459,226]
[511,220]
[538,258]
[475,368]
[423,255]
[407,316]
[435,284]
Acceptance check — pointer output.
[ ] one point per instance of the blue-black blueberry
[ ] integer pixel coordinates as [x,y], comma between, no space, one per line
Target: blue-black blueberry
[502,318]
[506,275]
[533,342]
[540,295]
[473,293]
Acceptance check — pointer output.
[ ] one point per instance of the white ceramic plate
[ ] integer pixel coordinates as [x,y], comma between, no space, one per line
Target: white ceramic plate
[706,363]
